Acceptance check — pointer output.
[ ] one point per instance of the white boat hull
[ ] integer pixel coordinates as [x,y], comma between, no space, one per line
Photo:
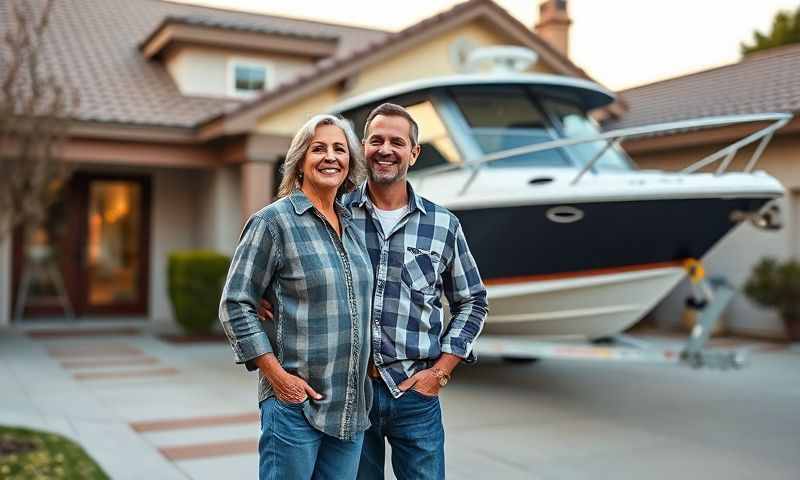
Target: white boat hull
[580,307]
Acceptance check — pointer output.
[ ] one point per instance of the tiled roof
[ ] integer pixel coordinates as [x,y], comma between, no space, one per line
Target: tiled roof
[93,45]
[767,81]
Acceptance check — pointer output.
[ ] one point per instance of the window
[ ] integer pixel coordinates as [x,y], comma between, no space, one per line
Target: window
[507,117]
[436,145]
[576,124]
[248,78]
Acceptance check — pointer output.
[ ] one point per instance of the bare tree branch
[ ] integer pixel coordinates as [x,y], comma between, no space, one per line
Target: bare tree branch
[35,108]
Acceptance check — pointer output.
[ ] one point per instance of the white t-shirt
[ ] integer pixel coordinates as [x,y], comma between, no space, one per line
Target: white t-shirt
[390,218]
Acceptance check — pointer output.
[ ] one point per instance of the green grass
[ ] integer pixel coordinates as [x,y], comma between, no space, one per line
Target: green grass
[29,454]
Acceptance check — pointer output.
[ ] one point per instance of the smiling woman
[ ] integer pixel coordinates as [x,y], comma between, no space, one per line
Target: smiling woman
[325,168]
[303,254]
[294,165]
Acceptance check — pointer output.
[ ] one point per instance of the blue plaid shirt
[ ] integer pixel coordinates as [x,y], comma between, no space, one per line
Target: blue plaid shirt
[321,287]
[423,257]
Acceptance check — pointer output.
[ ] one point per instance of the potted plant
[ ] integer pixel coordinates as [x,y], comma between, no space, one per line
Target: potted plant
[777,285]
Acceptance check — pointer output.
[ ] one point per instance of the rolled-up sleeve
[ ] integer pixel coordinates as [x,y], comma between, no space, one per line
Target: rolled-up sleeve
[253,266]
[466,295]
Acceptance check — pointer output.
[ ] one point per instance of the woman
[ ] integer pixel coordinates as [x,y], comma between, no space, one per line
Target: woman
[302,254]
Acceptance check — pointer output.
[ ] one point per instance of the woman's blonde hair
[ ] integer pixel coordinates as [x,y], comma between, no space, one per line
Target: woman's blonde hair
[293,165]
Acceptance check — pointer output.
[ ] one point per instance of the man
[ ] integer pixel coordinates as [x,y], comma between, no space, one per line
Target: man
[418,252]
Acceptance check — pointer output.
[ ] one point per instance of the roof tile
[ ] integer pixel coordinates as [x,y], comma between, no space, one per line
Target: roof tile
[93,45]
[768,81]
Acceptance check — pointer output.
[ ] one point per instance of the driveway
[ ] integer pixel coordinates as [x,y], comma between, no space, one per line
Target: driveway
[147,408]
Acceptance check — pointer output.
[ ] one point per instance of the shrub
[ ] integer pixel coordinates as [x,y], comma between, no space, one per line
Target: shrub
[31,454]
[195,281]
[777,285]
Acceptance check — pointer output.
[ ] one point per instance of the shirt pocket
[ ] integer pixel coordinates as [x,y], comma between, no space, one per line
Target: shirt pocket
[420,270]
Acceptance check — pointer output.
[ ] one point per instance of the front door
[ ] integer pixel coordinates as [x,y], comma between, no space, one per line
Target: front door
[93,249]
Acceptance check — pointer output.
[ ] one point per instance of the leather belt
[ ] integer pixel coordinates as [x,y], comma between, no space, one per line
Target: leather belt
[372,371]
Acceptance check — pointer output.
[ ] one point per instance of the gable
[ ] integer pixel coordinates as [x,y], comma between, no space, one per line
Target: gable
[208,70]
[436,57]
[433,57]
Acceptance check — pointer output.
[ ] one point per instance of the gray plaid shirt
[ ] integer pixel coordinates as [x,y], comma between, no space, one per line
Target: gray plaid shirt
[424,257]
[321,288]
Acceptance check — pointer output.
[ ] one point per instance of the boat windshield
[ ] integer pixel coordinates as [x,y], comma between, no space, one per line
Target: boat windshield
[436,145]
[574,123]
[511,116]
[501,118]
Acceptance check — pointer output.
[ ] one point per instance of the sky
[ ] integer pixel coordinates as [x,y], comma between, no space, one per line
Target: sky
[620,43]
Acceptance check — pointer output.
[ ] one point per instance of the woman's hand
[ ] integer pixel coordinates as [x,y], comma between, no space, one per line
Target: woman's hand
[288,388]
[292,389]
[265,310]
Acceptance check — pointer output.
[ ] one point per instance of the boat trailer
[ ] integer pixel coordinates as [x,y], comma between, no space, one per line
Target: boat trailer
[710,298]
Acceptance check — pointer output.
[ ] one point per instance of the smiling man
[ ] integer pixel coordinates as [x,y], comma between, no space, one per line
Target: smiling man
[418,253]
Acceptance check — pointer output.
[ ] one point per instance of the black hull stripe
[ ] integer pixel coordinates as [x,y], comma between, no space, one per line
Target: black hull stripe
[513,242]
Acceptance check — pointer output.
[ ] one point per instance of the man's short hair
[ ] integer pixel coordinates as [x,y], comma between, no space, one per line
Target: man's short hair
[393,110]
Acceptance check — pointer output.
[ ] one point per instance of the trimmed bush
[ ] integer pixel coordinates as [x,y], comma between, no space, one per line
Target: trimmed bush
[195,281]
[777,285]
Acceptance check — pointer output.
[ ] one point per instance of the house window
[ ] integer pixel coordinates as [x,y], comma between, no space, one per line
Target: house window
[248,79]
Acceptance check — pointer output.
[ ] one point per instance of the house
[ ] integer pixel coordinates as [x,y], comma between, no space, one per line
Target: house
[767,81]
[185,115]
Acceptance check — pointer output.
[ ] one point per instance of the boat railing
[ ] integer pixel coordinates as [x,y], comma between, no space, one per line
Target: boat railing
[614,138]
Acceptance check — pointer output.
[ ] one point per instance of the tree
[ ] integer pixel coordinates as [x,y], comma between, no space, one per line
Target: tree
[35,108]
[785,30]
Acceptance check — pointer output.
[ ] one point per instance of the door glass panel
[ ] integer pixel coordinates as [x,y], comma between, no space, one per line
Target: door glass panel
[43,279]
[113,253]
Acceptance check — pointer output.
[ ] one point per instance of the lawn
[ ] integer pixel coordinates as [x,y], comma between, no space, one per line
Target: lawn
[30,454]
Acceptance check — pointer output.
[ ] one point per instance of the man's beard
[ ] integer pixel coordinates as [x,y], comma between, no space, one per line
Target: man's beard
[385,179]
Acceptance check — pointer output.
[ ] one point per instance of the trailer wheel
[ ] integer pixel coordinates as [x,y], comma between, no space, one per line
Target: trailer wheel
[520,360]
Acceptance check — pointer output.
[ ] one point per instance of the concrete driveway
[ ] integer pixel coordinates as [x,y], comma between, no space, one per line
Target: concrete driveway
[147,408]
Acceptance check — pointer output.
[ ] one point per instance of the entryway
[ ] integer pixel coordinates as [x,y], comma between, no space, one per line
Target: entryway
[90,257]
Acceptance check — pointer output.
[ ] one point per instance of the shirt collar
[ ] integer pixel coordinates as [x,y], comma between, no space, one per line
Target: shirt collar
[302,204]
[414,201]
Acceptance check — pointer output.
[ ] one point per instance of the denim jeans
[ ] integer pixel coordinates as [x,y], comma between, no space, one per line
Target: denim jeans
[291,449]
[413,426]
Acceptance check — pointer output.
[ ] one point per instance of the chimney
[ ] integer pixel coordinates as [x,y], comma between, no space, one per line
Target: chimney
[554,24]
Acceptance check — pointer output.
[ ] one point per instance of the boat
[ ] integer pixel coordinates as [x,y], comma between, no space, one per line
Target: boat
[573,241]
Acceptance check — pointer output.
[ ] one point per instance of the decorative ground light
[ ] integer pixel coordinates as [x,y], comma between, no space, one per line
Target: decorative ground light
[30,454]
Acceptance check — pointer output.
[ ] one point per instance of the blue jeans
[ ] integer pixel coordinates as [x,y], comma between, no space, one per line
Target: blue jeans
[291,449]
[413,426]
